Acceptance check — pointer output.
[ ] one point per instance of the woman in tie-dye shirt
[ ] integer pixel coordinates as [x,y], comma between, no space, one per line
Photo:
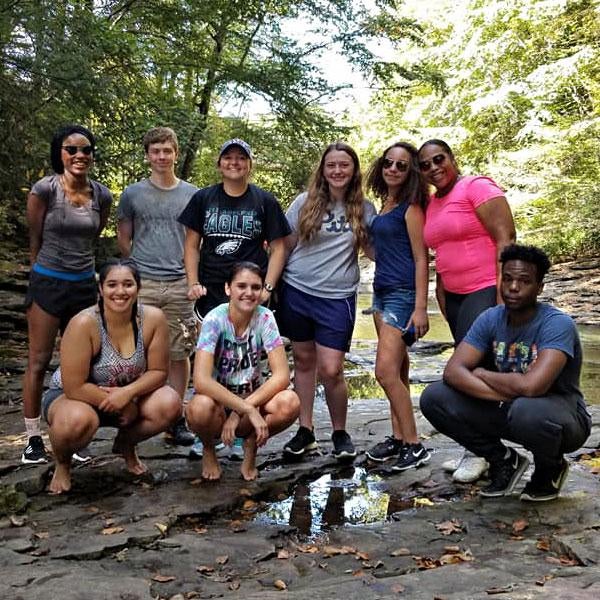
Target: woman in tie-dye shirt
[232,399]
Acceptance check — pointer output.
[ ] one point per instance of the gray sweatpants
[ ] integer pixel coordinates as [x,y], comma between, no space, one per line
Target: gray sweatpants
[547,426]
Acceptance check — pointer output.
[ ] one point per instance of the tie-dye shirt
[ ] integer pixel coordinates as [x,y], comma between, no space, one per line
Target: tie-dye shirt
[237,359]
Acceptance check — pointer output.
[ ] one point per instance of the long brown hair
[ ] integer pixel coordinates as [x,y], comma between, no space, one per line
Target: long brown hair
[414,188]
[319,199]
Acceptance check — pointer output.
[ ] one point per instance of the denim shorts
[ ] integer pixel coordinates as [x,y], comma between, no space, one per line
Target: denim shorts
[51,394]
[395,305]
[306,318]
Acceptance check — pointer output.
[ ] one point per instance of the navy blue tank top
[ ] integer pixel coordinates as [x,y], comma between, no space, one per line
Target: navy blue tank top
[394,261]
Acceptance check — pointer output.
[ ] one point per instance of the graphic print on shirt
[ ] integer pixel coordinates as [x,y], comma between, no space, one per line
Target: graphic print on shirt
[335,225]
[516,357]
[237,360]
[234,226]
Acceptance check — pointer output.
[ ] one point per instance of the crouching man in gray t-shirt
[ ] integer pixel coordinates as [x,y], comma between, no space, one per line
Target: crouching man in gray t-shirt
[150,233]
[531,396]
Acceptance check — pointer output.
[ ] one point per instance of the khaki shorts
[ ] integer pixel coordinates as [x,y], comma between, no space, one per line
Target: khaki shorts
[171,298]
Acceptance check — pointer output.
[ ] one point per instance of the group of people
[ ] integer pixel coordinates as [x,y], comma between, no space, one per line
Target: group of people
[225,251]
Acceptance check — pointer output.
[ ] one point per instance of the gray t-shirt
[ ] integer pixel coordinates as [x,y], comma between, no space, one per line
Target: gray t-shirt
[69,231]
[158,237]
[515,348]
[327,266]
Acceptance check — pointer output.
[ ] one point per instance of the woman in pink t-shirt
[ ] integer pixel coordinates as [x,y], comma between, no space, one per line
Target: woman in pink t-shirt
[468,223]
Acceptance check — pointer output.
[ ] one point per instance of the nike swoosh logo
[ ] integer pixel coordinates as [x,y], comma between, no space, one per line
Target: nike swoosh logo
[417,454]
[556,483]
[516,462]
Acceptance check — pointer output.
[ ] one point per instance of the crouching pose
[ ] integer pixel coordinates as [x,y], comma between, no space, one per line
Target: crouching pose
[532,397]
[232,400]
[114,362]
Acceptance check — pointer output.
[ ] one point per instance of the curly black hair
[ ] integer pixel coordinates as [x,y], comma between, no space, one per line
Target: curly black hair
[528,254]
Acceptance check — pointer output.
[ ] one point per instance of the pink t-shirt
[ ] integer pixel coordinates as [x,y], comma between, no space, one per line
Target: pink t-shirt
[465,252]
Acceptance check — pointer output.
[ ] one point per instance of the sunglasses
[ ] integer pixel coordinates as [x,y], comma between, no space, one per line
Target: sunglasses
[73,150]
[401,165]
[438,159]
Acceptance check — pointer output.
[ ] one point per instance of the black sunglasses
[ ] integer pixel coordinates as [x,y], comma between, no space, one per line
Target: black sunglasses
[438,159]
[73,150]
[401,165]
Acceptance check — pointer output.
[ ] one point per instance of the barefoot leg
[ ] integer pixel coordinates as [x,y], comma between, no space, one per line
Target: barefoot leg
[61,480]
[211,469]
[128,452]
[248,468]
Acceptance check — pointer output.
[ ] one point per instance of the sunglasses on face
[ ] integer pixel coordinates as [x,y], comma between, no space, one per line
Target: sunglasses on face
[73,150]
[438,159]
[401,165]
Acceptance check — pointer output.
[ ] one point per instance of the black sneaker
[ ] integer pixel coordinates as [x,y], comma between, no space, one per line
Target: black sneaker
[411,457]
[34,453]
[545,484]
[389,448]
[343,448]
[179,434]
[504,475]
[302,442]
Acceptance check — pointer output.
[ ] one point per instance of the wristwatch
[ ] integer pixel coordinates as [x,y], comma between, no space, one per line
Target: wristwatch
[268,287]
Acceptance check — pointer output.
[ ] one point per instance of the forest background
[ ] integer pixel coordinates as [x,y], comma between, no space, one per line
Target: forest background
[512,85]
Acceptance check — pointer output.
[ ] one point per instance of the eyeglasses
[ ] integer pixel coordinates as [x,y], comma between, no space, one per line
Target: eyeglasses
[438,159]
[73,150]
[401,165]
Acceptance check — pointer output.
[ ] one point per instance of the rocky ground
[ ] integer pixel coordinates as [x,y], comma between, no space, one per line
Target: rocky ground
[314,529]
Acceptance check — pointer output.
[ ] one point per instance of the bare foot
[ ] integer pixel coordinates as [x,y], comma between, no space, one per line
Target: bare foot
[248,468]
[211,469]
[128,452]
[61,480]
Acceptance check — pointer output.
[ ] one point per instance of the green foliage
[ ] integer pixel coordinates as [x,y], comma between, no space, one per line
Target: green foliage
[121,67]
[521,102]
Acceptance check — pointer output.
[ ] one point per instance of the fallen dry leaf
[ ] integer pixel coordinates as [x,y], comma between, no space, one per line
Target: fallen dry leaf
[358,573]
[221,560]
[237,526]
[425,562]
[205,569]
[283,554]
[280,584]
[449,527]
[362,556]
[17,521]
[451,549]
[161,527]
[196,482]
[422,502]
[249,505]
[307,549]
[543,544]
[335,550]
[162,578]
[400,552]
[520,525]
[112,530]
[234,585]
[200,530]
[456,557]
[246,492]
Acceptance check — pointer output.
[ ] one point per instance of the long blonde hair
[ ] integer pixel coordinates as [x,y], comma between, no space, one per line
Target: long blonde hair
[319,199]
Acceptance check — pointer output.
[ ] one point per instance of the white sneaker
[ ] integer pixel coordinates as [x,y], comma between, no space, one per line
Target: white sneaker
[470,469]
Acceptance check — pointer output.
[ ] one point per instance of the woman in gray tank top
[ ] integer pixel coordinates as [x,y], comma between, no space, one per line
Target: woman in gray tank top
[113,368]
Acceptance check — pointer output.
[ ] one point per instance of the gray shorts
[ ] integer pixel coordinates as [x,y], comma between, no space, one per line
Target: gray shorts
[51,394]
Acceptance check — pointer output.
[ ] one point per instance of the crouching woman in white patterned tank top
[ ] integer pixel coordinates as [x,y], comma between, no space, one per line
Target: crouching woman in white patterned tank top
[114,363]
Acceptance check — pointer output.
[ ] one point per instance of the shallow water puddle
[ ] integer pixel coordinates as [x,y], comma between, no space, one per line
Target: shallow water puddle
[351,496]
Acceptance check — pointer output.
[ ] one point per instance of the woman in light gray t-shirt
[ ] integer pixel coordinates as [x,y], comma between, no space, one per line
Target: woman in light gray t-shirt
[318,297]
[66,213]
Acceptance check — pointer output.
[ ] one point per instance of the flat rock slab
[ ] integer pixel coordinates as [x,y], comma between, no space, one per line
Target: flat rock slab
[171,535]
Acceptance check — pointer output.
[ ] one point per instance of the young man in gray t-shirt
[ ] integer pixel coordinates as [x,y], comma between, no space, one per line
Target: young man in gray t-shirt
[150,233]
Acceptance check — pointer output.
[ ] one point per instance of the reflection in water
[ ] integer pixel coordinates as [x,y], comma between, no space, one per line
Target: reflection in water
[348,496]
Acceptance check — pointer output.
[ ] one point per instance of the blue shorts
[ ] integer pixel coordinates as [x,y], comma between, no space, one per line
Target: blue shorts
[395,305]
[51,394]
[328,322]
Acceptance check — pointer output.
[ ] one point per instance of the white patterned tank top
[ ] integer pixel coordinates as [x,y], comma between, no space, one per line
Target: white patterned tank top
[109,367]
